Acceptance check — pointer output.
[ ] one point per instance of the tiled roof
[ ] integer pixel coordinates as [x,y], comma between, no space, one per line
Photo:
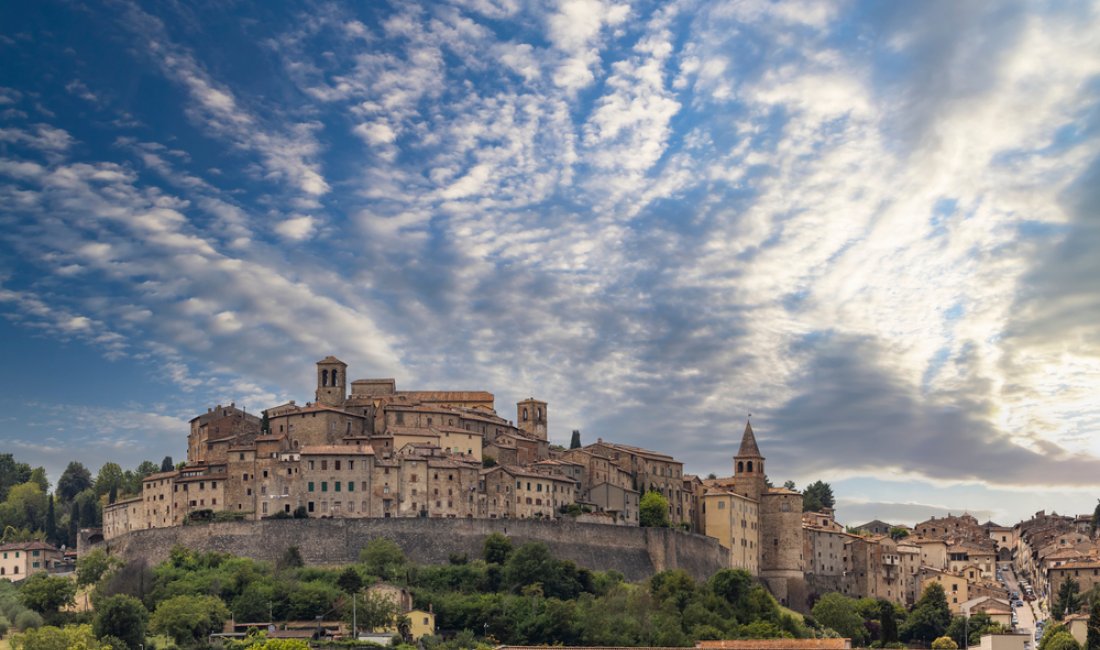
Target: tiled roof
[748,443]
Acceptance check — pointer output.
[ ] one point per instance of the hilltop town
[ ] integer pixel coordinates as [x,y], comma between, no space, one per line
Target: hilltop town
[377,452]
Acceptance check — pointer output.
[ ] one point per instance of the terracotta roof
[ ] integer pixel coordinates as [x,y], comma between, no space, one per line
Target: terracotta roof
[332,359]
[639,451]
[28,546]
[337,450]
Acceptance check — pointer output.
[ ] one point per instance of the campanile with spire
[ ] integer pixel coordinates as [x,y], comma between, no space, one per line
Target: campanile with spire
[748,467]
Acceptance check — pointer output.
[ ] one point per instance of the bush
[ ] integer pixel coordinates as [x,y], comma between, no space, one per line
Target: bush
[944,643]
[28,620]
[122,617]
[5,625]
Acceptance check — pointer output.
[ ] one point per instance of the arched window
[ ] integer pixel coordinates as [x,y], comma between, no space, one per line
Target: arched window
[740,466]
[538,414]
[324,377]
[525,414]
[334,382]
[750,467]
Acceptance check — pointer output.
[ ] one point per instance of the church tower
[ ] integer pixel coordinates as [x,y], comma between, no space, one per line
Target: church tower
[748,467]
[531,417]
[332,381]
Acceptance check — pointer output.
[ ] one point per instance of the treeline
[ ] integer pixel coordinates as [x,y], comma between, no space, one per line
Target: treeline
[515,595]
[29,510]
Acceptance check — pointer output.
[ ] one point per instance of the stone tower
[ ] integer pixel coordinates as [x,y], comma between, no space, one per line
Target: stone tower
[332,381]
[531,417]
[748,467]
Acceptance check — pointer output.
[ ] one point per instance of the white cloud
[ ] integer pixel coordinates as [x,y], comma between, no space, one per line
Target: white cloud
[297,228]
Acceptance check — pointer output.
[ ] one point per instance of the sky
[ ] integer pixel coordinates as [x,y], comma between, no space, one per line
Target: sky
[870,225]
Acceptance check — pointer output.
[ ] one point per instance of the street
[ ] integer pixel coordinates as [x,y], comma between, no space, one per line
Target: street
[1027,614]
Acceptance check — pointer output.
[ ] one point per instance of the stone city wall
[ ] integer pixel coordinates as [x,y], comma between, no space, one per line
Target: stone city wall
[635,552]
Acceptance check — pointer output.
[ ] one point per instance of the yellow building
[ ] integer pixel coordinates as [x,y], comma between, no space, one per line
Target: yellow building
[955,587]
[733,520]
[21,559]
[421,623]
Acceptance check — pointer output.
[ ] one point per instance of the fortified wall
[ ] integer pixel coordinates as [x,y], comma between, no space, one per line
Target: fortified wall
[635,552]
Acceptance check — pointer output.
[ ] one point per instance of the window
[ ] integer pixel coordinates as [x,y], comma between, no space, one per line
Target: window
[324,465]
[337,465]
[336,486]
[324,486]
[310,488]
[351,464]
[351,486]
[309,507]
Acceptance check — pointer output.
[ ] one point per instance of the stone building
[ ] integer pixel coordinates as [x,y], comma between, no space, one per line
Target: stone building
[779,516]
[734,520]
[650,470]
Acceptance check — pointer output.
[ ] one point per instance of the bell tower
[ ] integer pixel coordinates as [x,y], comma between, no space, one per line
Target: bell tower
[748,467]
[332,381]
[531,417]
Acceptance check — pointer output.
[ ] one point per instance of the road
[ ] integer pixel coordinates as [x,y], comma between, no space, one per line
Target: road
[1029,613]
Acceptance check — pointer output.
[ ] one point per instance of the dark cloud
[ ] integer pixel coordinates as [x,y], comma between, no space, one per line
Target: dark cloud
[852,414]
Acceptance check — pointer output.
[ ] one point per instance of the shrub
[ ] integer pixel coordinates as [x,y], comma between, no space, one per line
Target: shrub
[944,643]
[28,620]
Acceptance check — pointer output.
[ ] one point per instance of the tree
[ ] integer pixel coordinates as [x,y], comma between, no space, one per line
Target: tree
[25,506]
[75,479]
[1095,519]
[838,612]
[653,510]
[109,476]
[167,465]
[1052,630]
[57,638]
[888,623]
[1069,599]
[265,425]
[1063,641]
[816,496]
[1092,637]
[930,616]
[383,558]
[788,485]
[38,476]
[375,611]
[188,619]
[12,473]
[93,565]
[944,643]
[74,523]
[51,521]
[350,580]
[897,532]
[292,558]
[497,548]
[575,441]
[121,616]
[47,594]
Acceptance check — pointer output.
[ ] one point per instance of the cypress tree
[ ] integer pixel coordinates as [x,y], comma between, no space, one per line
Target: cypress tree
[265,424]
[575,442]
[112,496]
[88,514]
[167,465]
[74,524]
[888,623]
[1092,637]
[51,522]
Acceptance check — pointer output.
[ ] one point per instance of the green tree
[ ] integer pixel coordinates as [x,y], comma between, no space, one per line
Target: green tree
[374,611]
[1069,599]
[1063,641]
[51,521]
[12,473]
[930,616]
[38,476]
[292,558]
[47,594]
[167,465]
[816,496]
[383,558]
[788,485]
[110,476]
[497,548]
[265,424]
[121,616]
[897,532]
[575,441]
[93,565]
[838,612]
[74,524]
[1092,637]
[188,619]
[653,510]
[888,623]
[75,479]
[944,643]
[1052,630]
[78,637]
[350,581]
[25,506]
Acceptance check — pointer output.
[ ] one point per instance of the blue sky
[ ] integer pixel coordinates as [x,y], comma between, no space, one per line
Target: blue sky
[871,225]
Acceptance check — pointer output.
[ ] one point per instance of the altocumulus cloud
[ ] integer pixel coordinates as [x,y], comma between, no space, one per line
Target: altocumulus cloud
[870,226]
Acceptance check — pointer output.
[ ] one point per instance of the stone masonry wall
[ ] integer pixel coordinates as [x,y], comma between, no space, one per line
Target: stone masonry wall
[635,552]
